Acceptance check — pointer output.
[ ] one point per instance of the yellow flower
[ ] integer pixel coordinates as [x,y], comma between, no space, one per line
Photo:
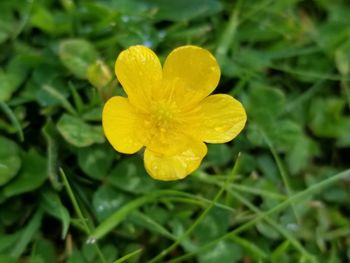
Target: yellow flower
[168,110]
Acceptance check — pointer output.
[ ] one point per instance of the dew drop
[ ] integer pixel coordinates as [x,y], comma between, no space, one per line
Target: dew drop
[100,208]
[162,34]
[91,240]
[292,227]
[125,19]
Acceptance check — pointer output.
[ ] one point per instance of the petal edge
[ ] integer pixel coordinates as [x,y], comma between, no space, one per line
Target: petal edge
[190,73]
[218,118]
[174,167]
[139,71]
[121,125]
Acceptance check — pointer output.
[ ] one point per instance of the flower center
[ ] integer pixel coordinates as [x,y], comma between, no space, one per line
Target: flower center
[161,123]
[162,116]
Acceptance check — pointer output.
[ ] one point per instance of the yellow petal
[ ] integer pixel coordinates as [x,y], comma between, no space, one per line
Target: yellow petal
[217,119]
[174,167]
[169,142]
[122,125]
[190,74]
[139,71]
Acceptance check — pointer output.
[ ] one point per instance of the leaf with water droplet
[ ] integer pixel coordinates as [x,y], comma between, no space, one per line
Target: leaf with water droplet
[79,133]
[107,200]
[96,160]
[130,175]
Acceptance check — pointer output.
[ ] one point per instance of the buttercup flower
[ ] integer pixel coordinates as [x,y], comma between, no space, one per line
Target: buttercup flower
[168,110]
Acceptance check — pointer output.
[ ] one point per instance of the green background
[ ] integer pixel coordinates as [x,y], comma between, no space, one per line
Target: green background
[67,196]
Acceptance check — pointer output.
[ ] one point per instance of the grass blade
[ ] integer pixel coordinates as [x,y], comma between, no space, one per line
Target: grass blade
[12,117]
[127,256]
[166,251]
[296,197]
[29,232]
[282,171]
[80,214]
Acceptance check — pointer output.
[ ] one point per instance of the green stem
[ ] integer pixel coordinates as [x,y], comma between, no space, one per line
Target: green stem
[79,213]
[126,257]
[282,171]
[244,188]
[228,34]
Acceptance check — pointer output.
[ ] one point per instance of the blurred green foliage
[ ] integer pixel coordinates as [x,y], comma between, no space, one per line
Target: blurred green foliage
[288,61]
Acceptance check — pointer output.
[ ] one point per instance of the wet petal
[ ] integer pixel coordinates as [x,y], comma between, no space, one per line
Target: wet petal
[217,119]
[174,167]
[122,125]
[190,74]
[169,142]
[139,71]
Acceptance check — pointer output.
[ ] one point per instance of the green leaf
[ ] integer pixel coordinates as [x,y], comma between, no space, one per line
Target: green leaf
[32,175]
[219,154]
[7,86]
[265,103]
[46,88]
[11,78]
[77,55]
[147,222]
[52,204]
[301,153]
[326,117]
[267,230]
[51,22]
[118,216]
[213,225]
[7,23]
[110,251]
[223,252]
[8,241]
[107,200]
[283,133]
[96,160]
[10,162]
[76,257]
[171,10]
[45,250]
[95,114]
[13,211]
[331,35]
[185,10]
[342,59]
[130,175]
[250,247]
[7,259]
[78,133]
[43,19]
[29,231]
[11,115]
